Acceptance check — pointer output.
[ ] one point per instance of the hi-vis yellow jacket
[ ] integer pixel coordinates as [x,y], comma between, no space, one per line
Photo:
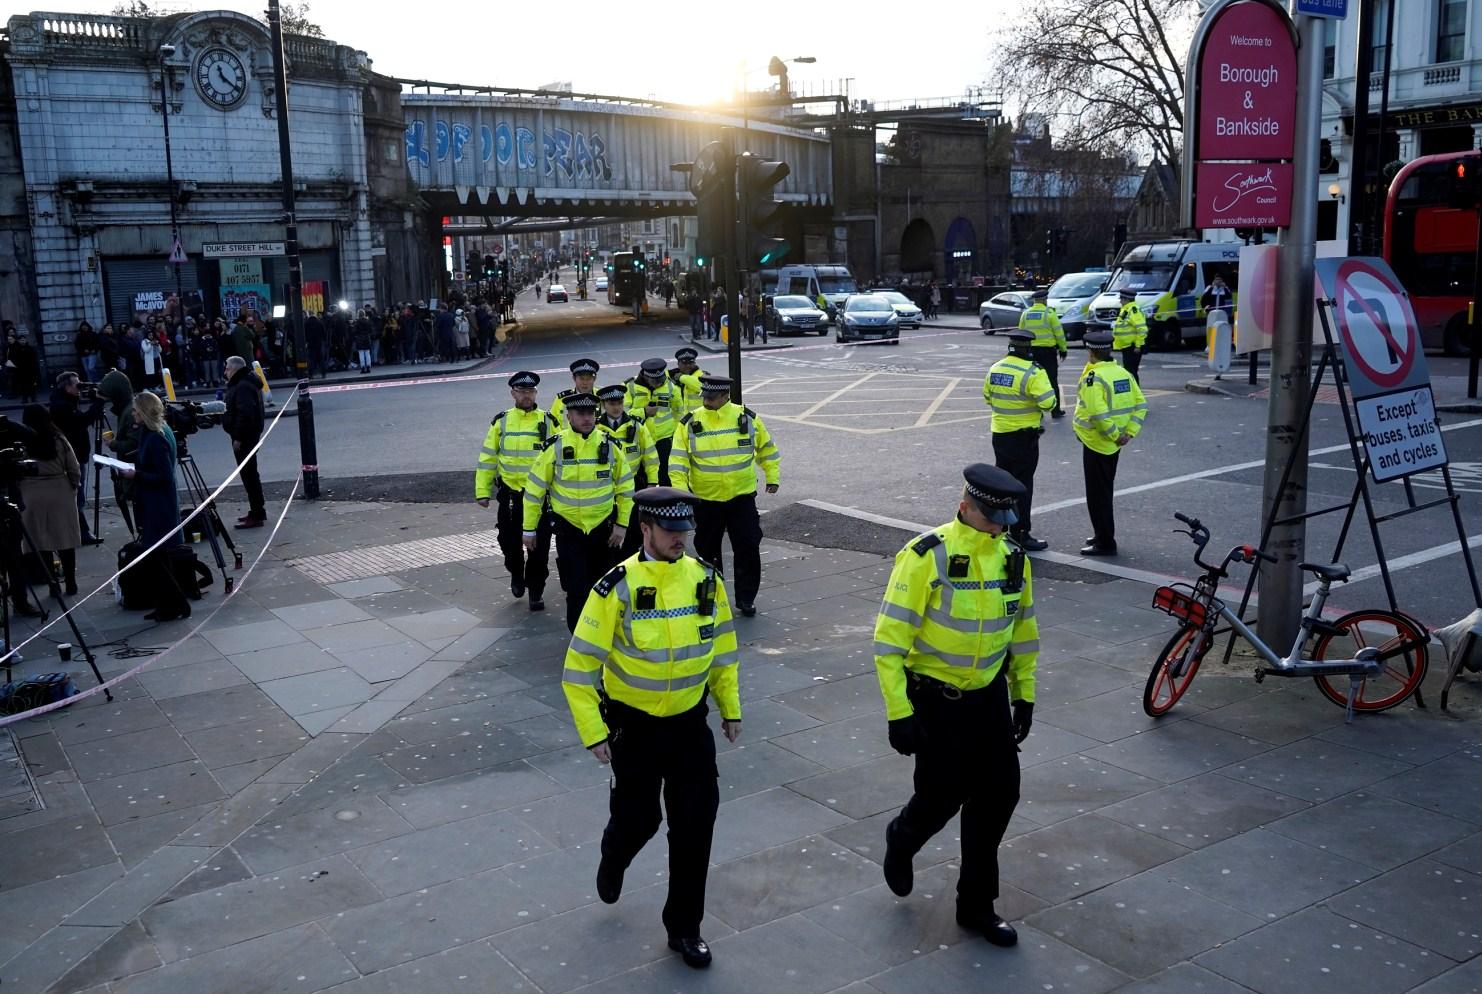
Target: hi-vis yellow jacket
[688,385]
[583,478]
[716,453]
[638,444]
[666,397]
[1017,389]
[1108,403]
[558,408]
[1045,323]
[514,440]
[950,613]
[1130,327]
[655,636]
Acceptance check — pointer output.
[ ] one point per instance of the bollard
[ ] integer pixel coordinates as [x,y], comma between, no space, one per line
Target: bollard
[267,391]
[169,382]
[308,450]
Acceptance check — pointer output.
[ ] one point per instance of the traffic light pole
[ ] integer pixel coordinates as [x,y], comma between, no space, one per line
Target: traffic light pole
[731,274]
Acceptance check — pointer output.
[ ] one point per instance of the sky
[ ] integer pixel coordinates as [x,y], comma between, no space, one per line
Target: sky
[685,52]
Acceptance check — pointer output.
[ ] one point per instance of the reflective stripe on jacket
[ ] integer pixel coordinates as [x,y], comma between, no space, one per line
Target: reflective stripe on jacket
[1017,390]
[1045,323]
[583,478]
[638,445]
[660,658]
[1108,403]
[949,614]
[716,453]
[666,397]
[514,440]
[1130,327]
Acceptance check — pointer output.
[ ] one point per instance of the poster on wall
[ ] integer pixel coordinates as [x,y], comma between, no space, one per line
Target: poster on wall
[315,293]
[239,299]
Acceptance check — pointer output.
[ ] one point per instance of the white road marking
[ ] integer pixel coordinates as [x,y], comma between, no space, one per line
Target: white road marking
[835,395]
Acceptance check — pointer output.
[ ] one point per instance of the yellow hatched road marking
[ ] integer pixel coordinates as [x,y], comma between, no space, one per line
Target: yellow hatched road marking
[937,402]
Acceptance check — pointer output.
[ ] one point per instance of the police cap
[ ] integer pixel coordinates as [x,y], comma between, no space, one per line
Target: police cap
[715,384]
[1020,336]
[580,402]
[1127,293]
[615,392]
[686,354]
[524,378]
[1097,340]
[585,367]
[653,367]
[1042,293]
[995,492]
[668,507]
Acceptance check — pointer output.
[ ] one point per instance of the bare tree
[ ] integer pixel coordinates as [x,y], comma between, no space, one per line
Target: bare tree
[134,8]
[295,16]
[1113,67]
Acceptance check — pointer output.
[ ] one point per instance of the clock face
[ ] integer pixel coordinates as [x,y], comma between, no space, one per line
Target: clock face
[221,78]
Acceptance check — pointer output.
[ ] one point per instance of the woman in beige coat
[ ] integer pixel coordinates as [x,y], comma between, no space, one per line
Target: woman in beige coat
[50,514]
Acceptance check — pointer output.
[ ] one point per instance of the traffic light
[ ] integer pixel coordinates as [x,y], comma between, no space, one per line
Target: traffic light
[489,265]
[1049,242]
[761,209]
[1466,183]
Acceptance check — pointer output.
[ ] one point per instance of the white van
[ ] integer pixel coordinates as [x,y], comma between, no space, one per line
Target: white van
[835,282]
[1071,296]
[1169,277]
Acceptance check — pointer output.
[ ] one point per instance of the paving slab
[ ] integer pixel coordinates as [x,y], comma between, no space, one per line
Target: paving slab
[197,678]
[250,637]
[384,662]
[354,635]
[1265,874]
[1179,751]
[1372,829]
[288,840]
[1465,855]
[53,850]
[138,839]
[1080,855]
[46,960]
[470,794]
[126,952]
[283,661]
[1202,810]
[320,613]
[152,792]
[430,856]
[246,741]
[1446,785]
[1076,785]
[770,818]
[140,887]
[290,961]
[1037,962]
[219,707]
[1315,769]
[1426,902]
[1464,979]
[73,726]
[1185,978]
[839,744]
[759,766]
[476,968]
[32,911]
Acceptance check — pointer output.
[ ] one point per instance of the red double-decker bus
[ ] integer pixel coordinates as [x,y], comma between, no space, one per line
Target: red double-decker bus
[1430,241]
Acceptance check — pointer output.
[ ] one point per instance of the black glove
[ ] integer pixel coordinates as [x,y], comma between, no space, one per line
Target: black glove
[907,735]
[1023,719]
[1064,355]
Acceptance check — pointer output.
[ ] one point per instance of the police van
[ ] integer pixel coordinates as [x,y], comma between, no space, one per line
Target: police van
[1170,278]
[836,284]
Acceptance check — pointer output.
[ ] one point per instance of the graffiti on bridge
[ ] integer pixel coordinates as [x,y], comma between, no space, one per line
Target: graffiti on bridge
[571,153]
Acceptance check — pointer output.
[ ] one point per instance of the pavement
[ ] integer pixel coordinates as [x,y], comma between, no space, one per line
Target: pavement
[357,774]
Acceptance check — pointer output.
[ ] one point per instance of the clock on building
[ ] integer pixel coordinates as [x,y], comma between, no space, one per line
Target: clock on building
[221,78]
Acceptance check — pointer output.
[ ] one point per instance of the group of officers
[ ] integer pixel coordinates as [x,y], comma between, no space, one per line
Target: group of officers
[653,641]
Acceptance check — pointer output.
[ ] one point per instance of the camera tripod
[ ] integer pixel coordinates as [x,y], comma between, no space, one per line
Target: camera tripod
[195,486]
[13,526]
[99,427]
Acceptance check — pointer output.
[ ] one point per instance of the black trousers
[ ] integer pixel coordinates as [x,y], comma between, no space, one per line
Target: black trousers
[738,517]
[1131,359]
[1101,479]
[581,559]
[674,757]
[663,445]
[1017,453]
[534,569]
[1050,360]
[251,482]
[969,763]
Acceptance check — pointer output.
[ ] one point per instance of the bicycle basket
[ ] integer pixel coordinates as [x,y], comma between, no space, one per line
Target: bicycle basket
[1181,601]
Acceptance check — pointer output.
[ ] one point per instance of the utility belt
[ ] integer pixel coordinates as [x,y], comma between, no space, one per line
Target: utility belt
[618,716]
[1023,431]
[921,685]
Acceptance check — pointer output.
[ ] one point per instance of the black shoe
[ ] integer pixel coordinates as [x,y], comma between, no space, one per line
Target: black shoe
[898,875]
[23,609]
[92,540]
[694,951]
[1057,414]
[747,610]
[1031,544]
[250,523]
[609,882]
[990,926]
[537,605]
[71,588]
[517,588]
[1096,549]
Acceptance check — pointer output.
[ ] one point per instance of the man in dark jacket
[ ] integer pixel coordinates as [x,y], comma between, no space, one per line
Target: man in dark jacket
[314,342]
[243,421]
[244,342]
[444,330]
[75,419]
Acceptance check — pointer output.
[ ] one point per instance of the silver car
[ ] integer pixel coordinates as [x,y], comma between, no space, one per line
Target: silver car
[868,316]
[1003,310]
[792,313]
[905,307]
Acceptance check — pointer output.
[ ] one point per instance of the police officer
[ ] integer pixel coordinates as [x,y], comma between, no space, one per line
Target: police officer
[657,401]
[585,479]
[686,378]
[1109,412]
[956,640]
[1048,347]
[1018,391]
[638,448]
[643,709]
[514,439]
[716,453]
[584,376]
[1130,332]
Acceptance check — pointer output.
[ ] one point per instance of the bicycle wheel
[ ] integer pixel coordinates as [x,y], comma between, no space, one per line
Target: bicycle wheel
[1401,645]
[1174,670]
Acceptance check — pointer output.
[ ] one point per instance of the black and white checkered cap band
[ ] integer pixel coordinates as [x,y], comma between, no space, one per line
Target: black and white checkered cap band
[991,500]
[678,509]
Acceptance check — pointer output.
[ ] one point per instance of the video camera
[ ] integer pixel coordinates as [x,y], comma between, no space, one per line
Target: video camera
[87,391]
[186,417]
[15,464]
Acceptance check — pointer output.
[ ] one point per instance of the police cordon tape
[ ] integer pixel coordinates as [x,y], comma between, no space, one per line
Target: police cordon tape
[107,584]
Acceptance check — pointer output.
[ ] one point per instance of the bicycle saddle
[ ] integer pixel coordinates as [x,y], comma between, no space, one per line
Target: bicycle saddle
[1328,571]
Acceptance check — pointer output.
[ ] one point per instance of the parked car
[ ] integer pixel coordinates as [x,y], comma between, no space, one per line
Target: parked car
[868,316]
[1003,310]
[790,314]
[555,293]
[905,307]
[601,284]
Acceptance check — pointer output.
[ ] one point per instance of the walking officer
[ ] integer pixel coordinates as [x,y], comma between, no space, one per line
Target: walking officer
[686,378]
[584,376]
[955,642]
[657,401]
[638,448]
[584,478]
[1109,412]
[1130,332]
[643,709]
[1019,393]
[1048,347]
[716,453]
[515,438]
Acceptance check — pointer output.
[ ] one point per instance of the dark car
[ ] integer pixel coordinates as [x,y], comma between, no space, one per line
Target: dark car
[555,293]
[868,317]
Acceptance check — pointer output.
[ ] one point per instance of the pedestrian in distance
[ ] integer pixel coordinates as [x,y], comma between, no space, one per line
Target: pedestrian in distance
[956,645]
[1130,332]
[1018,392]
[643,710]
[652,397]
[584,479]
[363,332]
[243,421]
[1109,412]
[515,438]
[583,380]
[1048,348]
[717,451]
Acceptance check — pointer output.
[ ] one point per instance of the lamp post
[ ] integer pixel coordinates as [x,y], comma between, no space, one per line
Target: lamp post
[166,79]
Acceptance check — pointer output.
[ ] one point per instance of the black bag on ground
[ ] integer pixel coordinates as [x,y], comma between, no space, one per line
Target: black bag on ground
[190,573]
[133,586]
